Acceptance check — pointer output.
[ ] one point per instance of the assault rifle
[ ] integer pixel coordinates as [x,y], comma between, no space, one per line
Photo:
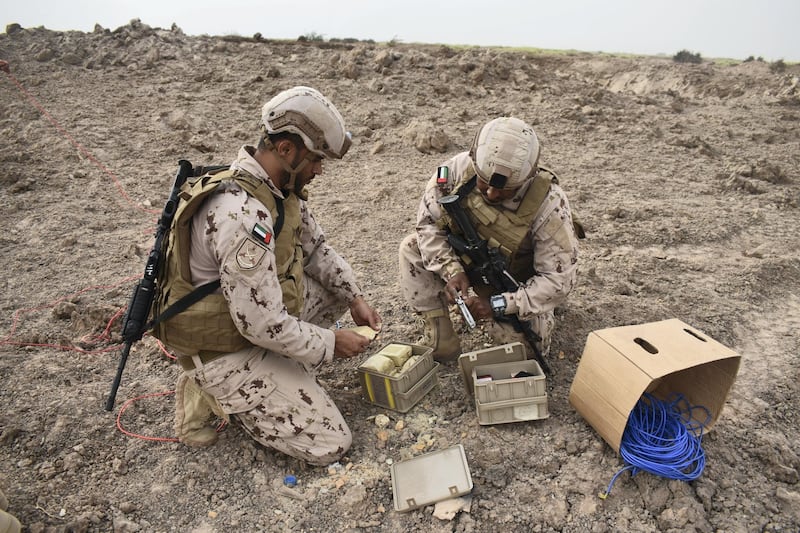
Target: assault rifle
[489,264]
[134,323]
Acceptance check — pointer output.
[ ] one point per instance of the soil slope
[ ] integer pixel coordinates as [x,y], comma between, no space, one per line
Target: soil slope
[685,175]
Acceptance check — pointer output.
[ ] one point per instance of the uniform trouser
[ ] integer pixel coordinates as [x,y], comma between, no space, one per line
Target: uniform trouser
[424,291]
[277,399]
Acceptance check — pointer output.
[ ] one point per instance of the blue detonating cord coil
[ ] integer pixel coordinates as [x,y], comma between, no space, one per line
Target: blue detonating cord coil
[663,438]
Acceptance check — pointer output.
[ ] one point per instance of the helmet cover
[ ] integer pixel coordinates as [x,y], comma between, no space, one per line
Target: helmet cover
[306,112]
[505,152]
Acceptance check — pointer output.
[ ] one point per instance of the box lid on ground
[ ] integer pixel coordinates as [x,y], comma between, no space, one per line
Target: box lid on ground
[663,358]
[430,478]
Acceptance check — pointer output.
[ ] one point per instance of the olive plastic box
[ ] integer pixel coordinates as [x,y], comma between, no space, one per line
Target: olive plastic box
[502,395]
[401,392]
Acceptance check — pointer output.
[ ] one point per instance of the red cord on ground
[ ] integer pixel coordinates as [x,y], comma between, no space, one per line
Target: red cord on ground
[4,66]
[105,335]
[138,436]
[125,405]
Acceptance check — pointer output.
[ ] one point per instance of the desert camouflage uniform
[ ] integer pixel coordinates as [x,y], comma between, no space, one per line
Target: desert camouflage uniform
[271,387]
[427,261]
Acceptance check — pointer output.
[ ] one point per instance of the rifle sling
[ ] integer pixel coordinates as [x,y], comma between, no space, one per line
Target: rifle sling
[185,303]
[466,188]
[204,290]
[278,226]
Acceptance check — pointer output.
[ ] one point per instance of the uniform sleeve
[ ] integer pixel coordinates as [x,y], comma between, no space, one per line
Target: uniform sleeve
[555,248]
[437,254]
[323,263]
[249,280]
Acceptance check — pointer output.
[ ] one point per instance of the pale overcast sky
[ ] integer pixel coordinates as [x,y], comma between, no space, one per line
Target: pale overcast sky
[733,29]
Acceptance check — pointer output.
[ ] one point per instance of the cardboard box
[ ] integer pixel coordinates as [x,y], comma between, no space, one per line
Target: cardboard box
[401,392]
[662,358]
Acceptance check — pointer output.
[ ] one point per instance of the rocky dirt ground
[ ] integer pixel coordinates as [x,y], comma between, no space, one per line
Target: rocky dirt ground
[685,175]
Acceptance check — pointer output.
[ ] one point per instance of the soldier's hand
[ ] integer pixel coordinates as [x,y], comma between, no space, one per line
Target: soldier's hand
[458,284]
[364,315]
[479,307]
[349,344]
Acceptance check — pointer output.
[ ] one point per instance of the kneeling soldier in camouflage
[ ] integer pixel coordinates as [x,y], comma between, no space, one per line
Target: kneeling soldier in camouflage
[516,207]
[250,349]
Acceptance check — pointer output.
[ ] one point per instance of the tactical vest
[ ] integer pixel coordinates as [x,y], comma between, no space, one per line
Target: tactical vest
[207,326]
[503,229]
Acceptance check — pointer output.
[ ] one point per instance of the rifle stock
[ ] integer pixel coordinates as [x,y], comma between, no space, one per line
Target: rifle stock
[490,265]
[134,323]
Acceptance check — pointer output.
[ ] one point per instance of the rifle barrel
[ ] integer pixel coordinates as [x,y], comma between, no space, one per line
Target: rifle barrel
[118,378]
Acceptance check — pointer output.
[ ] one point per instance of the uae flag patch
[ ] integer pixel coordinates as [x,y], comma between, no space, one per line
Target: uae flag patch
[261,234]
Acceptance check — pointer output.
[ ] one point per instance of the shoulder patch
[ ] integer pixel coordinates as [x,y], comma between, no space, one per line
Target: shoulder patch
[261,234]
[249,254]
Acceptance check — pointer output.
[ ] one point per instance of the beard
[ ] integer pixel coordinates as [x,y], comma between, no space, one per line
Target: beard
[298,186]
[299,163]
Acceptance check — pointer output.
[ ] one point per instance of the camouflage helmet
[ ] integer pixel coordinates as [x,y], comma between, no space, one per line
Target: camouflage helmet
[307,113]
[505,152]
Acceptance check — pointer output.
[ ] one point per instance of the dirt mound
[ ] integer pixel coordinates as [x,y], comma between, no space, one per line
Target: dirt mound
[684,175]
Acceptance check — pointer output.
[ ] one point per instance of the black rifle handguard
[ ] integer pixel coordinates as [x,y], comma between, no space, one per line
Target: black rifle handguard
[133,324]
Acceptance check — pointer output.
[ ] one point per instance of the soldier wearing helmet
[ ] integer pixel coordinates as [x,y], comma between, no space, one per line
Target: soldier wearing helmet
[517,206]
[249,350]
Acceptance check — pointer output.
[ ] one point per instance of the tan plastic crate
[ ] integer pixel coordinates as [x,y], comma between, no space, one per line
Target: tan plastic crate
[401,392]
[505,398]
[512,410]
[505,353]
[504,387]
[404,401]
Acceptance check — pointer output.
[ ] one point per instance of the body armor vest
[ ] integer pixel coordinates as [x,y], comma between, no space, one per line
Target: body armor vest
[207,326]
[501,228]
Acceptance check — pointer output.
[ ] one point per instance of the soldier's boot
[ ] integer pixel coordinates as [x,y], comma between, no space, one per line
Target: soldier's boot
[194,409]
[439,334]
[8,522]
